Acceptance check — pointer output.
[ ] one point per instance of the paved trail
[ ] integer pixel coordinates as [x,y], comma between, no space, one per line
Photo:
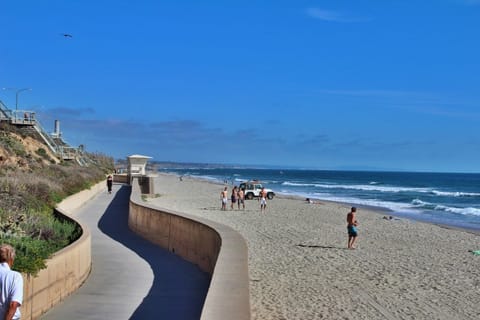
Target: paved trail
[130,278]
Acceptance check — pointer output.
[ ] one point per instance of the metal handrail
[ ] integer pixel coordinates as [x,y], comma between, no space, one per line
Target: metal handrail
[46,137]
[5,113]
[27,117]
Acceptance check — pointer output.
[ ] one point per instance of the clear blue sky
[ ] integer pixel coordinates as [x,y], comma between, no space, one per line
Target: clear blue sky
[322,84]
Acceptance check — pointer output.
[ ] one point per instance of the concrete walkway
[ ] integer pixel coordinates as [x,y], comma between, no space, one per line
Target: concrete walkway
[131,278]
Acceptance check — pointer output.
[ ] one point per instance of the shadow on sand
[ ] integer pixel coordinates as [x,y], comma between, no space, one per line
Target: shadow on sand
[319,246]
[179,288]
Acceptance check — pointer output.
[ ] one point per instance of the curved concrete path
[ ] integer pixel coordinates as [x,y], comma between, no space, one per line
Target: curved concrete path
[131,278]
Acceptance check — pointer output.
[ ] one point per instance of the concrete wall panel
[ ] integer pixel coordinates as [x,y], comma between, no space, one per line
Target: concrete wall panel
[67,269]
[215,248]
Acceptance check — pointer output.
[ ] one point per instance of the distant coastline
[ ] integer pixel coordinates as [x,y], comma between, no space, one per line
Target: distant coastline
[204,165]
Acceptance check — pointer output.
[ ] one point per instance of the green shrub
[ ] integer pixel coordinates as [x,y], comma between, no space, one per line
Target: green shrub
[29,195]
[43,153]
[31,253]
[12,144]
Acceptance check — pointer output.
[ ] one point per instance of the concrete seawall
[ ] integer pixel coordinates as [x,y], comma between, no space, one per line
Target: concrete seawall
[215,248]
[67,269]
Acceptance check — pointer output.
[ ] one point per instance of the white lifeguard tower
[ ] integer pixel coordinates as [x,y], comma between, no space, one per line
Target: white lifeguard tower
[136,166]
[137,170]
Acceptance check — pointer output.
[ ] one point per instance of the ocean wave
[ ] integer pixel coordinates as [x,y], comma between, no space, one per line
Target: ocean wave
[416,206]
[373,186]
[362,187]
[455,194]
[394,206]
[463,211]
[295,184]
[420,203]
[417,203]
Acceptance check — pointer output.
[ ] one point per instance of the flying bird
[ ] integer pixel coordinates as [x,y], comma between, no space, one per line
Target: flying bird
[67,35]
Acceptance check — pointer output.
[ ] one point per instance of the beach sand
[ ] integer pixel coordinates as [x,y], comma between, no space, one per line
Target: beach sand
[300,268]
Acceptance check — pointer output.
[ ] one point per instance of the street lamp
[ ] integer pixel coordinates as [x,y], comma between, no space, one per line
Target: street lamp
[16,96]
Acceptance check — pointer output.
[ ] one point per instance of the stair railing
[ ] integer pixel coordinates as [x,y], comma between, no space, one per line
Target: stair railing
[46,137]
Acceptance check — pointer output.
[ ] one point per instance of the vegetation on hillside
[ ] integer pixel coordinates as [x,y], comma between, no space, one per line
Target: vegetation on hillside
[31,184]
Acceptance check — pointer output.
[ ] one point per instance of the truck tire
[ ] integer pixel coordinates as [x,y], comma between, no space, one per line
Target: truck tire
[270,195]
[249,196]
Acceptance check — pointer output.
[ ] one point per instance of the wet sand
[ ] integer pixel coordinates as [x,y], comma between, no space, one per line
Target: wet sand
[300,267]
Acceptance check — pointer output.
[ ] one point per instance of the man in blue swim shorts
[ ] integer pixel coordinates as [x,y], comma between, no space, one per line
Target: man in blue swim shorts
[352,224]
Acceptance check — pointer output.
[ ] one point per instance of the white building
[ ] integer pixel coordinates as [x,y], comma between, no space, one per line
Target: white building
[137,164]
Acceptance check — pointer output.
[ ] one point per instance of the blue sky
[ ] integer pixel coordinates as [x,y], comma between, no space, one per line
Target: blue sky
[318,84]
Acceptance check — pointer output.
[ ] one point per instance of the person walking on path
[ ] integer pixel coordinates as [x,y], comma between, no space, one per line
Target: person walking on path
[352,224]
[11,285]
[233,197]
[263,200]
[224,198]
[241,198]
[109,183]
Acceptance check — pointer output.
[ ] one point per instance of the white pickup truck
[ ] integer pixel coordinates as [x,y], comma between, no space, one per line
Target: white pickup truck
[253,188]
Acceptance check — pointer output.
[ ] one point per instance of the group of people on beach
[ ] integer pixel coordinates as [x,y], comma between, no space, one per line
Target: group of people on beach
[238,197]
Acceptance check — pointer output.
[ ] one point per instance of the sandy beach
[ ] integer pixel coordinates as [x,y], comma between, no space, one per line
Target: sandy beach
[300,267]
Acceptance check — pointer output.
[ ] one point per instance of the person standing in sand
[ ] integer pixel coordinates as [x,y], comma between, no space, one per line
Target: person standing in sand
[224,198]
[263,200]
[241,198]
[233,197]
[352,224]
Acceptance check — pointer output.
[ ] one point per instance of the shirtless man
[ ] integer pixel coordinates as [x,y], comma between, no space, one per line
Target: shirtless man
[263,200]
[241,198]
[223,197]
[352,224]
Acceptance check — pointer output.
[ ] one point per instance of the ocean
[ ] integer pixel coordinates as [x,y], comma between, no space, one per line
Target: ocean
[445,198]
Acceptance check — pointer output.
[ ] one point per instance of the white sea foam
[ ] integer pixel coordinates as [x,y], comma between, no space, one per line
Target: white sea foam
[464,211]
[373,186]
[420,203]
[455,194]
[394,206]
[294,184]
[362,187]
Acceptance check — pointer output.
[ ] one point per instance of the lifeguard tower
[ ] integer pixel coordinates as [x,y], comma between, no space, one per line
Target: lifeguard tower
[137,164]
[137,169]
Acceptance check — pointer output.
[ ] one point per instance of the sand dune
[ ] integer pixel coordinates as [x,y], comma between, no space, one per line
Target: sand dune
[300,267]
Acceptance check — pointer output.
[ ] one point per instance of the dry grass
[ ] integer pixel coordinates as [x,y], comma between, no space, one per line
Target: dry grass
[31,183]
